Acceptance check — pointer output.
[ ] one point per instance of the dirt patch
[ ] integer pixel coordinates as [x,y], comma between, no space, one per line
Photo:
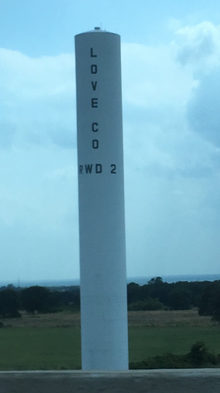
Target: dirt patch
[135,318]
[168,318]
[58,319]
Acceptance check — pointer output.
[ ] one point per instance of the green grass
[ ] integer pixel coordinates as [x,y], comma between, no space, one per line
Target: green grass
[149,342]
[40,348]
[59,348]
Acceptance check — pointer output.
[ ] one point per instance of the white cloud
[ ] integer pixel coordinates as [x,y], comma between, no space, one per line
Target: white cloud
[168,166]
[203,108]
[171,171]
[38,213]
[37,99]
[151,78]
[199,45]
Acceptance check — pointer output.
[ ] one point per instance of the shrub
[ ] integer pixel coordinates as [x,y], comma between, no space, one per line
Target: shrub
[146,305]
[199,356]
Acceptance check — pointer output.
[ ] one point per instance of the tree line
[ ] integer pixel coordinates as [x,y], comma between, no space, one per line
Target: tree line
[182,295]
[155,295]
[37,299]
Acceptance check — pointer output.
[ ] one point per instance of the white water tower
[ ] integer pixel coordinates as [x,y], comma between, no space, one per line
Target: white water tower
[101,202]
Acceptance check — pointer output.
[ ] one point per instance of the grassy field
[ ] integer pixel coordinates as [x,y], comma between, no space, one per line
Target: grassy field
[52,341]
[40,348]
[149,342]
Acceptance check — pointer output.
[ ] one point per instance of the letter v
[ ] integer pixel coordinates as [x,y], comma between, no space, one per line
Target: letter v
[94,85]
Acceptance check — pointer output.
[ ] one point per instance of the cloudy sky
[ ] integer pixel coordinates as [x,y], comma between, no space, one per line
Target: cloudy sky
[171,97]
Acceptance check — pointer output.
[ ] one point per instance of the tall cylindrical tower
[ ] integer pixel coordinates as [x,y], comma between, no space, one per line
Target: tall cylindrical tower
[101,202]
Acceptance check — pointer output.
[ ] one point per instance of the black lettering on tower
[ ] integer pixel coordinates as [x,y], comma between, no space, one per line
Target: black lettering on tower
[81,169]
[95,127]
[95,144]
[94,102]
[98,168]
[88,168]
[94,69]
[92,53]
[113,169]
[94,85]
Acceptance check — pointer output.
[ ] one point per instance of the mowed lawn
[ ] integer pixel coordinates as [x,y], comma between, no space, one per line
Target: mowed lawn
[39,348]
[148,342]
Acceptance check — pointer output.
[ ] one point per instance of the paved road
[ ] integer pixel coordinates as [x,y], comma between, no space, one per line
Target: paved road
[150,381]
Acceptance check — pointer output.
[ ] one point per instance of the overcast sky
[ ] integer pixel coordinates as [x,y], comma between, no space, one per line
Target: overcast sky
[171,97]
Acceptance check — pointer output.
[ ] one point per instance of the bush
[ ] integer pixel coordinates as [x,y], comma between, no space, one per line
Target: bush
[199,356]
[166,361]
[146,305]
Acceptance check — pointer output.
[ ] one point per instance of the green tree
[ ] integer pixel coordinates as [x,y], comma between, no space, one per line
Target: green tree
[179,299]
[210,300]
[133,292]
[9,303]
[155,280]
[36,299]
[157,289]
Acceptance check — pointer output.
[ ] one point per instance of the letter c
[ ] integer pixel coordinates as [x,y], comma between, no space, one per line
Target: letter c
[95,127]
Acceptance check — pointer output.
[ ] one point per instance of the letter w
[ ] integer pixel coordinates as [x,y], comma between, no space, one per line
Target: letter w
[88,168]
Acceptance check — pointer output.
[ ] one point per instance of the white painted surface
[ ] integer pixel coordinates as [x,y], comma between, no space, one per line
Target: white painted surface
[101,202]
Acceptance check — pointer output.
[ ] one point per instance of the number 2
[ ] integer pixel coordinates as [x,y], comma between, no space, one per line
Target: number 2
[113,168]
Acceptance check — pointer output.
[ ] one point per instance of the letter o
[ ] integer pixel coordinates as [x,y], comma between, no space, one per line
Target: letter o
[94,69]
[95,143]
